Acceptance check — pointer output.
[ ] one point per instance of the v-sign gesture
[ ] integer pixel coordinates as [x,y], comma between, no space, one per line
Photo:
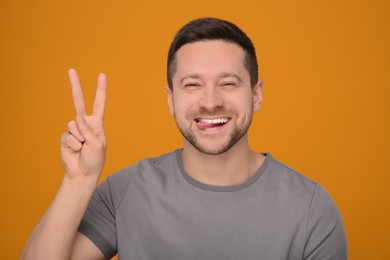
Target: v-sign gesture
[83,152]
[83,146]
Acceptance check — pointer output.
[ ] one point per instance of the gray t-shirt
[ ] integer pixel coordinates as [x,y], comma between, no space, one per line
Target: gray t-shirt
[155,210]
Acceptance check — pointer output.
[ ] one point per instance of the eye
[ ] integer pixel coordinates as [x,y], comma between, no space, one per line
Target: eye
[229,84]
[191,85]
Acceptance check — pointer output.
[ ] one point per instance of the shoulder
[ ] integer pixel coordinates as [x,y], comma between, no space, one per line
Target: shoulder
[325,236]
[287,179]
[325,233]
[152,164]
[148,170]
[296,184]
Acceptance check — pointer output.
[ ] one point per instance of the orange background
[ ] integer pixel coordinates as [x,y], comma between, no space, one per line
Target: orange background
[325,112]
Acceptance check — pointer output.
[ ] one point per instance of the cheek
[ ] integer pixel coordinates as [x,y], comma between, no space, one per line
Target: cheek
[181,107]
[243,104]
[246,111]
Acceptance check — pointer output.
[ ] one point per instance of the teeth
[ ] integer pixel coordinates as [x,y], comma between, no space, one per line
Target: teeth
[213,121]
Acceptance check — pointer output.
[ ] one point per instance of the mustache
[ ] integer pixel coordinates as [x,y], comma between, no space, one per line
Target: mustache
[215,111]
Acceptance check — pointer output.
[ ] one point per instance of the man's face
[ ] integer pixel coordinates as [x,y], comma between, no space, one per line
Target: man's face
[212,99]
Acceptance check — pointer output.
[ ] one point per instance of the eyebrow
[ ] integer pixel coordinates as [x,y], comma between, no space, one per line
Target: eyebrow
[220,76]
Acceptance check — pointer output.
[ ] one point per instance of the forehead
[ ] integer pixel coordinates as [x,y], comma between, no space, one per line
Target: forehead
[211,57]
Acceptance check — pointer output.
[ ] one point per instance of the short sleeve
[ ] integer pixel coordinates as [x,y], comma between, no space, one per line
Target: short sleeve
[98,223]
[326,238]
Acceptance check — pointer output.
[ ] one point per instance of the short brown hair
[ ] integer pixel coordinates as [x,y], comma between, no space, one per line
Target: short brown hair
[212,29]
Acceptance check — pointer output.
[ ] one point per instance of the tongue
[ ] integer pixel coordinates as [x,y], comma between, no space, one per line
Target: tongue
[204,126]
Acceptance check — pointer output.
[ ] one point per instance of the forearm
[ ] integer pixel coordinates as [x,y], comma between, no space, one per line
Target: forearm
[83,149]
[54,236]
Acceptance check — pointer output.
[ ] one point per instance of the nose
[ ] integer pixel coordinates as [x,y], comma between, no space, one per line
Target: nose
[211,98]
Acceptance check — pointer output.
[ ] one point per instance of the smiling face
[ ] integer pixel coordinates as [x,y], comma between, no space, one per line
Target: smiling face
[212,99]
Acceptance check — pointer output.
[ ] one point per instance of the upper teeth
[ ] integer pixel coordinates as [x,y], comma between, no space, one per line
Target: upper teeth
[213,121]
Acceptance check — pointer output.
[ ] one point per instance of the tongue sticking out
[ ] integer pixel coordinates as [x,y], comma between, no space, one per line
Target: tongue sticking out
[204,125]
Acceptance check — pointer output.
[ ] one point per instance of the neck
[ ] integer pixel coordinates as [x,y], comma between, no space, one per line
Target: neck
[233,167]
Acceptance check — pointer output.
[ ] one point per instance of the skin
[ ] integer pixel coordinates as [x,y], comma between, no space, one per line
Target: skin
[210,82]
[83,149]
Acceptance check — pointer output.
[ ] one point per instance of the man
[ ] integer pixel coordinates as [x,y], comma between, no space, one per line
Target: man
[212,199]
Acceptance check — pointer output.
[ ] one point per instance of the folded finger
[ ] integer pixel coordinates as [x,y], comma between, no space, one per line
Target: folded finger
[69,141]
[86,131]
[72,129]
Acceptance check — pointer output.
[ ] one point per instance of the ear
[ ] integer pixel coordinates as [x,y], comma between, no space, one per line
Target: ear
[257,93]
[170,100]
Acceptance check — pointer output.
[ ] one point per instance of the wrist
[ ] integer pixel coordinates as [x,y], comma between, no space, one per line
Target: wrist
[84,184]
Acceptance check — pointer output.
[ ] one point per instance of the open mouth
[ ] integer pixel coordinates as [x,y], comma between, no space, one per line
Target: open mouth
[207,123]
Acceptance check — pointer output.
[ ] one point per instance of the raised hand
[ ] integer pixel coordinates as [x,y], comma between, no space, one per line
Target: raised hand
[83,146]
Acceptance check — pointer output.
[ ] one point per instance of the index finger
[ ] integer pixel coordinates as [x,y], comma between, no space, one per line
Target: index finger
[77,92]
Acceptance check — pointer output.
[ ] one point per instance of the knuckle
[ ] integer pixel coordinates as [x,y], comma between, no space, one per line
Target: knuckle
[71,125]
[69,138]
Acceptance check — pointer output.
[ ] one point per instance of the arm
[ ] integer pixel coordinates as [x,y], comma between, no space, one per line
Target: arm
[83,149]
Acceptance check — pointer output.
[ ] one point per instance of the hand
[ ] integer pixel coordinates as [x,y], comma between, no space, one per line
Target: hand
[83,146]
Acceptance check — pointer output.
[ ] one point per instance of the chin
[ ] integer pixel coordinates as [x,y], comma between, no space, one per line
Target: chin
[214,144]
[212,151]
[212,147]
